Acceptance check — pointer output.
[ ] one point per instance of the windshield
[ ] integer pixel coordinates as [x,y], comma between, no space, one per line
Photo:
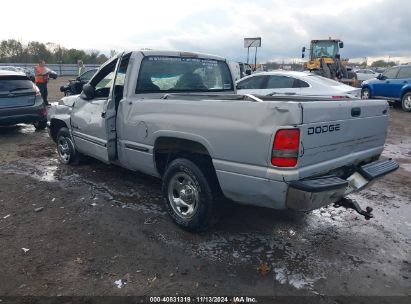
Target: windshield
[180,74]
[324,49]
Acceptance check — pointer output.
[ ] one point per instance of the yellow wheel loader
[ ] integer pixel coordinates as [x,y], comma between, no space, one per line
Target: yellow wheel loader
[325,60]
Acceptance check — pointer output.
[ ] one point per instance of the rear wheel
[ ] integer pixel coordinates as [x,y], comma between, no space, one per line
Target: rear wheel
[190,194]
[40,125]
[406,102]
[65,148]
[365,93]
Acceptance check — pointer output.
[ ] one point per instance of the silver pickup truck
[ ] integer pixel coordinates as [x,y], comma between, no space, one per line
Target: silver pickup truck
[176,116]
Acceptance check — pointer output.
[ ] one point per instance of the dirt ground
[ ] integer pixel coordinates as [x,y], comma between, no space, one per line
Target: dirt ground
[101,230]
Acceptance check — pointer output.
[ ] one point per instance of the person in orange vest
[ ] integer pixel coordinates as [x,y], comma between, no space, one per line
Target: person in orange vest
[41,77]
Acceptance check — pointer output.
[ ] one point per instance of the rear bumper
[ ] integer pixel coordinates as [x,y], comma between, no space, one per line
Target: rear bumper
[313,193]
[16,119]
[12,116]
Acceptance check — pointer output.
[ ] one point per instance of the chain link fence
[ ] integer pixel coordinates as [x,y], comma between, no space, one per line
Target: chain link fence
[60,69]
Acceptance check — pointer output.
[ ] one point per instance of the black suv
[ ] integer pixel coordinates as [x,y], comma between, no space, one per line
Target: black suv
[20,101]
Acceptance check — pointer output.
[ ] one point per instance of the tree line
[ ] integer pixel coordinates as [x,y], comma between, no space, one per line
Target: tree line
[14,51]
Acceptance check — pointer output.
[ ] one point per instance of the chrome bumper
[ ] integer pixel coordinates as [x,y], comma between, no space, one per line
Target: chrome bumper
[313,193]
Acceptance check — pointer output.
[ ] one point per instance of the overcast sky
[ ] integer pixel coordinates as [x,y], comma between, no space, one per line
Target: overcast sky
[372,28]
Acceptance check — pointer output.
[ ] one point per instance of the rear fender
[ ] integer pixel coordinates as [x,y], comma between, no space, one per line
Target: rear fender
[405,89]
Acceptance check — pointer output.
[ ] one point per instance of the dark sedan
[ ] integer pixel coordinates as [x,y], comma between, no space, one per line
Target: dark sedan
[20,101]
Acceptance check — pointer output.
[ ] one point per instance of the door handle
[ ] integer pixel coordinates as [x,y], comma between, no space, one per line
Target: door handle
[290,93]
[405,81]
[355,112]
[103,114]
[387,81]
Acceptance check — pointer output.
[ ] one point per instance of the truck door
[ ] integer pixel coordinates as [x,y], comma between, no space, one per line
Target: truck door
[93,121]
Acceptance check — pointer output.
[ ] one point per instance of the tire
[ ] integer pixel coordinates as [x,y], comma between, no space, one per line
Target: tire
[40,125]
[190,195]
[66,150]
[366,93]
[406,102]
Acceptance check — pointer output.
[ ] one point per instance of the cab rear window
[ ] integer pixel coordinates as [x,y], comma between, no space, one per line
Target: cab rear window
[181,74]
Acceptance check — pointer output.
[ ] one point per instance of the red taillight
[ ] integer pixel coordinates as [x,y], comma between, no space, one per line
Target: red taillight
[43,112]
[285,148]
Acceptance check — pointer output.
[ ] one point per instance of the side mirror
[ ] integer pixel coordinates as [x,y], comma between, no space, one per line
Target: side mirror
[380,77]
[238,87]
[302,55]
[78,78]
[341,44]
[248,72]
[303,49]
[88,91]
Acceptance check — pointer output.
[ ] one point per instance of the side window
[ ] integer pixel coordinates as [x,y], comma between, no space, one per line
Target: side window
[255,82]
[280,82]
[122,70]
[391,73]
[120,79]
[106,82]
[300,84]
[103,80]
[404,72]
[86,76]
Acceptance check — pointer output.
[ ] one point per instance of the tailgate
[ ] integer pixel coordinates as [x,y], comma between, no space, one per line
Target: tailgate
[345,132]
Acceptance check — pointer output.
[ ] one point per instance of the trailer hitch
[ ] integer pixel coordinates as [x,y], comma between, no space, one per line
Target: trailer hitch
[352,204]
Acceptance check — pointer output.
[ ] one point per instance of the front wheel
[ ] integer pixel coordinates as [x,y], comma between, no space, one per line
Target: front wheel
[65,148]
[190,195]
[406,102]
[365,93]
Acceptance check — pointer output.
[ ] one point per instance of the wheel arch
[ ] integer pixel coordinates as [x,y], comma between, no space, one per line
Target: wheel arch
[55,126]
[404,91]
[168,148]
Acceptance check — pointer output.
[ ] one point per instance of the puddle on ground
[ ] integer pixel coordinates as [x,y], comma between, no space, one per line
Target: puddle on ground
[27,129]
[297,280]
[299,254]
[43,172]
[406,167]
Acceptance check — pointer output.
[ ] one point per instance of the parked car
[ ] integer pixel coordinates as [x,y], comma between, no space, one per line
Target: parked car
[75,86]
[26,71]
[380,70]
[11,68]
[394,84]
[295,83]
[29,72]
[175,115]
[365,74]
[20,101]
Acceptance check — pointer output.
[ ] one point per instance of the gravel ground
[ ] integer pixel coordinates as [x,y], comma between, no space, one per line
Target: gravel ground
[101,230]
